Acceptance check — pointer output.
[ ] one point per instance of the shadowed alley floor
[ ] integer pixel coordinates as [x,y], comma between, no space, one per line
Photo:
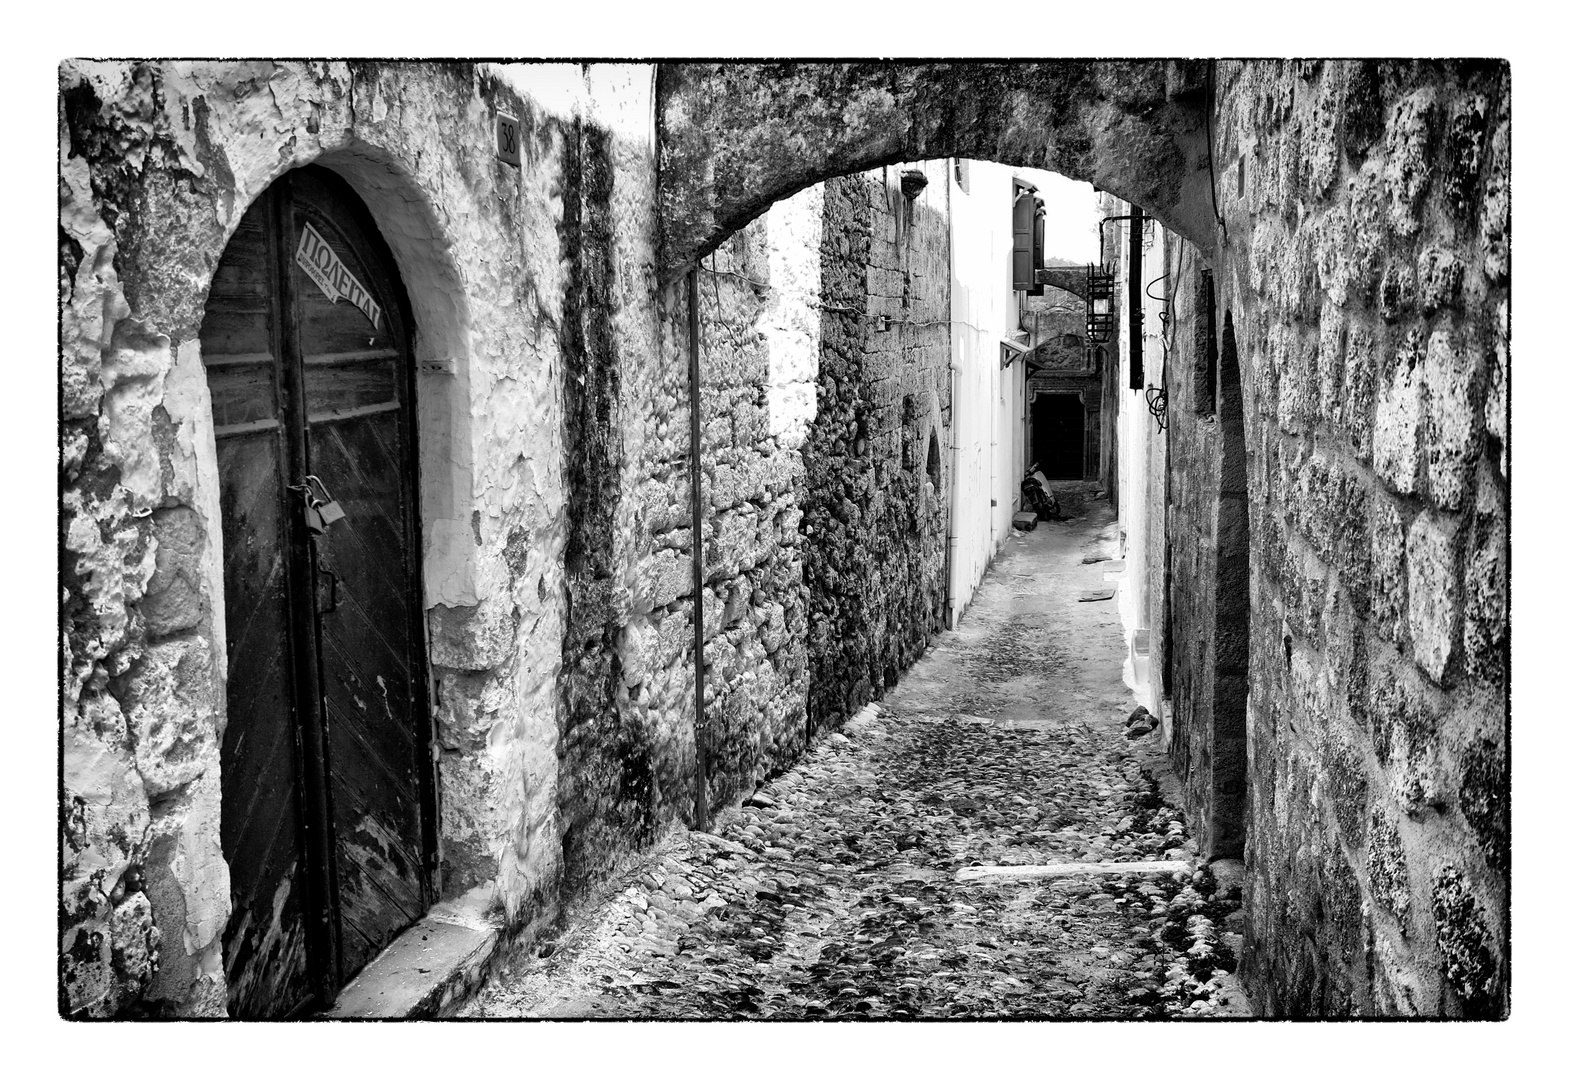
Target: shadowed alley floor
[836,892]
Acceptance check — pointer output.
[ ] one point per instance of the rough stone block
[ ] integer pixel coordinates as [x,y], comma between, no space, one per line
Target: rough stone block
[174,599]
[1321,146]
[1332,339]
[1464,144]
[1484,799]
[1466,946]
[1387,874]
[1398,429]
[1496,411]
[1346,781]
[1495,209]
[1297,366]
[1486,603]
[1360,391]
[1396,291]
[726,488]
[1439,273]
[1450,371]
[1367,230]
[1388,570]
[1404,741]
[673,640]
[167,696]
[472,638]
[1351,549]
[1362,121]
[1432,592]
[1409,168]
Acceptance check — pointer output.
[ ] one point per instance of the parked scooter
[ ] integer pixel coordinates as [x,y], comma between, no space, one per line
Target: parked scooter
[1038,495]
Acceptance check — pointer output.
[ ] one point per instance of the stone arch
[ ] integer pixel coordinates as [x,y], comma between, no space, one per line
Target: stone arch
[934,459]
[411,227]
[735,138]
[936,441]
[1225,830]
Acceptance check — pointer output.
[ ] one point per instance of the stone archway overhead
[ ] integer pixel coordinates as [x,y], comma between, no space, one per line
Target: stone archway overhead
[736,137]
[1070,279]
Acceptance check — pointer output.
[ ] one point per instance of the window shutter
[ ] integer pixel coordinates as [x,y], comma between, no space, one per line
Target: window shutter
[1037,245]
[1023,239]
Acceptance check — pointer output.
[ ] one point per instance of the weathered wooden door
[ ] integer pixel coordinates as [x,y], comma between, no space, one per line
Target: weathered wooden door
[327,779]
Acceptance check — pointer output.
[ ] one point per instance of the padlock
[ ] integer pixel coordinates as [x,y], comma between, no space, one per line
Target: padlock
[327,508]
[329,512]
[313,516]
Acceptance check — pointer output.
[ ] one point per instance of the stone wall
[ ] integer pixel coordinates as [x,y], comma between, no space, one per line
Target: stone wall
[736,137]
[556,524]
[1205,647]
[875,495]
[633,771]
[1365,271]
[158,162]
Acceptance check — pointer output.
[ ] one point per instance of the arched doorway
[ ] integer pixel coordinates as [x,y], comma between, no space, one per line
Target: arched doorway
[328,791]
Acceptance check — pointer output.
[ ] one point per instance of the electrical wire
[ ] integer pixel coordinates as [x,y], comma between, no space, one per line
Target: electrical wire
[1209,134]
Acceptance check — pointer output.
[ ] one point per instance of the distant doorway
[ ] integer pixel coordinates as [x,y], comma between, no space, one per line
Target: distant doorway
[1057,427]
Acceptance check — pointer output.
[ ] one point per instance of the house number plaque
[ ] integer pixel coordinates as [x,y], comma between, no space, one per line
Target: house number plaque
[507,141]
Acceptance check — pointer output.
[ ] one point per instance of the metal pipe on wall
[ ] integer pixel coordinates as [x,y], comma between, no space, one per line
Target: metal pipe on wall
[951,618]
[1135,298]
[699,727]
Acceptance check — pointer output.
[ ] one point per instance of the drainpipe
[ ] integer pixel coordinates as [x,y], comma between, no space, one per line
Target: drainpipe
[653,113]
[699,727]
[952,618]
[1136,299]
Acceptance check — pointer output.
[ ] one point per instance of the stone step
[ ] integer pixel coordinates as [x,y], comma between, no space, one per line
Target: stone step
[430,968]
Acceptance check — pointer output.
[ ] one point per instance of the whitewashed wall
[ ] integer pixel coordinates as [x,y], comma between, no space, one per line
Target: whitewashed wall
[988,447]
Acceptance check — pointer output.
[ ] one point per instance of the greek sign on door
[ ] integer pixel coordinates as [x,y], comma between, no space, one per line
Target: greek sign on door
[323,266]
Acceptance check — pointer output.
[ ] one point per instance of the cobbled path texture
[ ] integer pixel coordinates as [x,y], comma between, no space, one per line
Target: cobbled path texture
[831,893]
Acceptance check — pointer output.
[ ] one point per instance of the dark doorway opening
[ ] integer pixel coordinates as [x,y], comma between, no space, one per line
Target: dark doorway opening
[1227,827]
[1057,428]
[327,785]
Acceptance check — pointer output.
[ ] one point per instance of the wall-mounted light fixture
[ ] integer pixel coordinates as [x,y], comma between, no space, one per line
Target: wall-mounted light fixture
[1099,320]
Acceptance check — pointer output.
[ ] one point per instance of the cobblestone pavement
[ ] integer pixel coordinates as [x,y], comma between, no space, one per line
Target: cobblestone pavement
[832,892]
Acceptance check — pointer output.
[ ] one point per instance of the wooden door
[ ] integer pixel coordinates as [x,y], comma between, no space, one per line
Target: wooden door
[1057,424]
[327,779]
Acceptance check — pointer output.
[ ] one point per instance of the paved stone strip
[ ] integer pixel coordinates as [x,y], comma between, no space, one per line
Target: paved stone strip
[1062,870]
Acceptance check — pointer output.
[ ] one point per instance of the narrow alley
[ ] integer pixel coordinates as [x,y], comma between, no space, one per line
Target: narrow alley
[784,539]
[835,890]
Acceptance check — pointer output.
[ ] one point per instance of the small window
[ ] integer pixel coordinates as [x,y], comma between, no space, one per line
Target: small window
[934,460]
[961,174]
